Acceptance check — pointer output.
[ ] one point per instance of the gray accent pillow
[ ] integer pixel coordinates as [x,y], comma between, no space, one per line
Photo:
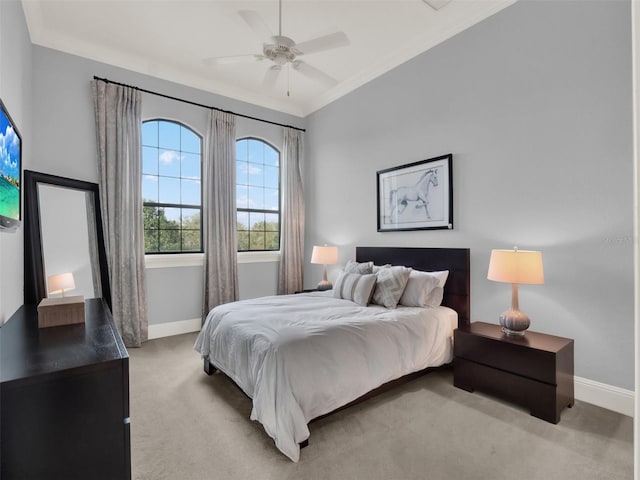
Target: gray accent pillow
[361,268]
[390,285]
[355,287]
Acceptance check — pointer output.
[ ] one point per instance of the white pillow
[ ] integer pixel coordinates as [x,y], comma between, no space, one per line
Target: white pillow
[419,287]
[361,268]
[434,299]
[355,287]
[442,276]
[390,285]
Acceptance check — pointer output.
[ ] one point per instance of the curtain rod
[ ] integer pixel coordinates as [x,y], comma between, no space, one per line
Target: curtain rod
[197,104]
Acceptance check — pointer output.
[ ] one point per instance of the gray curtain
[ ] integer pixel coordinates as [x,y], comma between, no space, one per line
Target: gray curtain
[290,277]
[219,210]
[118,129]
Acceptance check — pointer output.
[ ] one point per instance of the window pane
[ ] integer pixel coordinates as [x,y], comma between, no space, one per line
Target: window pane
[169,135]
[191,240]
[150,218]
[150,160]
[150,134]
[257,221]
[189,141]
[169,240]
[242,175]
[272,240]
[242,150]
[243,241]
[191,166]
[169,190]
[151,241]
[190,192]
[256,241]
[171,219]
[149,188]
[255,154]
[243,221]
[256,197]
[273,222]
[271,156]
[271,177]
[191,219]
[256,175]
[271,199]
[169,164]
[242,197]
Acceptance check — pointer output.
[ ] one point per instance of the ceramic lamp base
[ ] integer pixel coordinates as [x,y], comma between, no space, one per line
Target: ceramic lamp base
[514,322]
[325,285]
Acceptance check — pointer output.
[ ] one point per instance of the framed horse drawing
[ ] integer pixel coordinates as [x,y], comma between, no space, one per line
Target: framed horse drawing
[416,196]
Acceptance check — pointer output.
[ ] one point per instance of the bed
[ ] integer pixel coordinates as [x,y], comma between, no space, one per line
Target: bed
[301,357]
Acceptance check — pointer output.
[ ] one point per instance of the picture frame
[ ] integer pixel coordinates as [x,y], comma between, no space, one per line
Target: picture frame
[416,196]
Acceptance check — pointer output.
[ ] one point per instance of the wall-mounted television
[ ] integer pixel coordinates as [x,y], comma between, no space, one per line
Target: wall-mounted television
[10,171]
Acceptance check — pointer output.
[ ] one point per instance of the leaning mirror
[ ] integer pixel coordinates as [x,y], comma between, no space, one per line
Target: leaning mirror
[63,233]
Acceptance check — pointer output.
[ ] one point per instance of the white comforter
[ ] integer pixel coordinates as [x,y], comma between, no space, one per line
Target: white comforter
[301,356]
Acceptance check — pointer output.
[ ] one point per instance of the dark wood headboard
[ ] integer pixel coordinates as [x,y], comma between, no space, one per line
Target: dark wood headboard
[457,290]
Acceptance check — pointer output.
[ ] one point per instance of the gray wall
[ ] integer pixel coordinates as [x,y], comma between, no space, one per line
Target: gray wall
[64,126]
[15,91]
[535,103]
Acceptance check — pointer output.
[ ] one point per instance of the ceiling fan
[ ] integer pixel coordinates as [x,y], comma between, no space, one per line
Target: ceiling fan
[283,51]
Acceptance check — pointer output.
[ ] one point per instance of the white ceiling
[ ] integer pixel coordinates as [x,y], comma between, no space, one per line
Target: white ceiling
[170,38]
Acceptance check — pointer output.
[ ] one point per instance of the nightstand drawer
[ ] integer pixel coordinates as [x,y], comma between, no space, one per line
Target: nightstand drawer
[535,364]
[545,358]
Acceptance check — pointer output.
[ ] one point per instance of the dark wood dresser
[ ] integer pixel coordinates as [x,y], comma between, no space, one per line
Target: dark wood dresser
[64,398]
[534,371]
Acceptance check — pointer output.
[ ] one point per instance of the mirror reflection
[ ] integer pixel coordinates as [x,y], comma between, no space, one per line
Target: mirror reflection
[67,221]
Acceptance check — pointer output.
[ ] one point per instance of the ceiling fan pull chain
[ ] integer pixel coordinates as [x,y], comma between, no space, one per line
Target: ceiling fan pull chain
[288,77]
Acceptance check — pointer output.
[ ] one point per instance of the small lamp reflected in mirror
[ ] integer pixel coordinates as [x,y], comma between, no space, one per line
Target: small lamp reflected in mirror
[63,310]
[324,256]
[61,283]
[515,267]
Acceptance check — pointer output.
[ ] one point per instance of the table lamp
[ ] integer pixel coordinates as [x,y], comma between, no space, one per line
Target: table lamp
[61,282]
[515,267]
[64,310]
[324,256]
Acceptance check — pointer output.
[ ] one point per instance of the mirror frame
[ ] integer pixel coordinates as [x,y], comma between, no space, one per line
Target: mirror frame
[34,281]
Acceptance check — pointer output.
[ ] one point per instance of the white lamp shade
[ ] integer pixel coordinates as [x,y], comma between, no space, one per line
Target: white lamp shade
[61,282]
[324,255]
[516,266]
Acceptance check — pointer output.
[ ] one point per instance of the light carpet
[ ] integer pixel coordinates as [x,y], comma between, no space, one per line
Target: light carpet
[186,425]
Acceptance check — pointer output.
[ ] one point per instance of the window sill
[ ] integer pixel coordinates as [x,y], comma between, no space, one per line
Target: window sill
[197,259]
[174,260]
[258,257]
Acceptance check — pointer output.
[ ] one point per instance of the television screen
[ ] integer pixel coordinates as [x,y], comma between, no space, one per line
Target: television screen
[10,170]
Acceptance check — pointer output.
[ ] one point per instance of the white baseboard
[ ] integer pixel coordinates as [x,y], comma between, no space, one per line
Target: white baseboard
[159,330]
[600,394]
[606,396]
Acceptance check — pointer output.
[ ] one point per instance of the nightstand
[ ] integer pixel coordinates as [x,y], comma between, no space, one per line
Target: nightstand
[534,371]
[307,290]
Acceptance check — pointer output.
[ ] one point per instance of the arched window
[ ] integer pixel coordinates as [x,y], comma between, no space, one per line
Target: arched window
[171,187]
[257,195]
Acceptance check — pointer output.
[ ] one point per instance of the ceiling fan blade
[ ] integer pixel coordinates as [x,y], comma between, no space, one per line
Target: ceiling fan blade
[271,77]
[230,59]
[256,23]
[326,42]
[436,4]
[313,73]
